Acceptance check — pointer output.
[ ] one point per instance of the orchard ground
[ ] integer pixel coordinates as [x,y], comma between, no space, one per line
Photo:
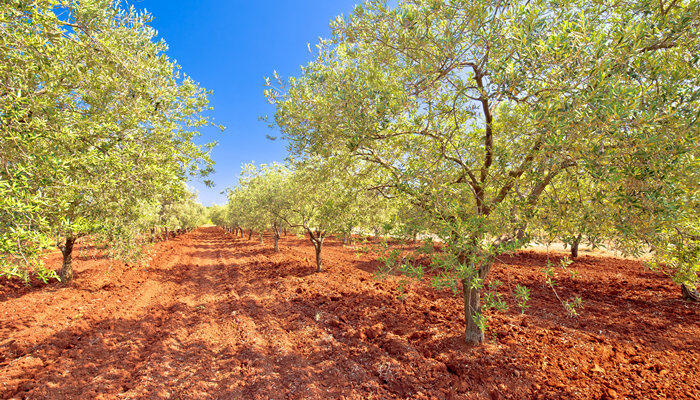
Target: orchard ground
[215,316]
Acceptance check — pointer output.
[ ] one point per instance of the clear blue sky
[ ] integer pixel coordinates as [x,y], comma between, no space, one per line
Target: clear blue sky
[230,47]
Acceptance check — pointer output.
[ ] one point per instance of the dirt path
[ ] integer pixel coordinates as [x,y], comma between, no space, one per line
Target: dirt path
[220,317]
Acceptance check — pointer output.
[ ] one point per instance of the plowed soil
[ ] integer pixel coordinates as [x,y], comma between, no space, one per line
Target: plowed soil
[219,317]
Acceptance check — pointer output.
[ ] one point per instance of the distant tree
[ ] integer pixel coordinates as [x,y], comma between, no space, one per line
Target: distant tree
[573,211]
[269,195]
[217,215]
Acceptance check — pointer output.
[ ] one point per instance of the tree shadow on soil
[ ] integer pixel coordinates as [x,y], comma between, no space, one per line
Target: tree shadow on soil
[13,288]
[151,356]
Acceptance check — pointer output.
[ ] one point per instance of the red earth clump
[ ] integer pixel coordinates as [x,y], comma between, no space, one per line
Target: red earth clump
[217,316]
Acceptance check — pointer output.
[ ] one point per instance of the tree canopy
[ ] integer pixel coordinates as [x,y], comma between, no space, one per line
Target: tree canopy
[475,109]
[96,122]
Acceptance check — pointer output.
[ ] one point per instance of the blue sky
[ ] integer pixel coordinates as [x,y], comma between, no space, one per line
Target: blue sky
[230,47]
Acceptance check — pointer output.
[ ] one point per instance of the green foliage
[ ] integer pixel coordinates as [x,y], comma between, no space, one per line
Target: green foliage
[412,270]
[480,320]
[491,118]
[522,297]
[390,260]
[678,255]
[573,305]
[96,124]
[427,247]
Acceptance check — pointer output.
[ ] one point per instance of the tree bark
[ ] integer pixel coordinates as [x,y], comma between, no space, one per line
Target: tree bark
[250,234]
[318,245]
[574,246]
[317,240]
[261,238]
[66,273]
[276,233]
[690,294]
[472,308]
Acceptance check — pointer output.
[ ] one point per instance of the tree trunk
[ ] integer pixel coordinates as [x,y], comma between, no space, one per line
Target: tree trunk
[318,245]
[317,240]
[285,231]
[67,267]
[261,238]
[276,233]
[472,309]
[250,234]
[574,246]
[690,294]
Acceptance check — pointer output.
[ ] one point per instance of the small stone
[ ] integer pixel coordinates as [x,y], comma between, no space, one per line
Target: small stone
[597,368]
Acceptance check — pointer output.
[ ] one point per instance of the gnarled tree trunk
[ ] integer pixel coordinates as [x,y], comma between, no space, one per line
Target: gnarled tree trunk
[250,234]
[316,238]
[318,246]
[472,310]
[276,233]
[473,333]
[66,273]
[574,246]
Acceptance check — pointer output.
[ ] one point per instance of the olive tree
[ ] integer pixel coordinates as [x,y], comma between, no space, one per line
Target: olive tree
[96,120]
[575,211]
[244,211]
[474,108]
[269,195]
[320,194]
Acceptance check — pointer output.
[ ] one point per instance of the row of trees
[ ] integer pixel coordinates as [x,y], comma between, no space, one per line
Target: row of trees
[96,130]
[493,124]
[316,198]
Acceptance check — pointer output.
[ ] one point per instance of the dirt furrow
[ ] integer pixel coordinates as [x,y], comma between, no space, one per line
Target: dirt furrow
[215,316]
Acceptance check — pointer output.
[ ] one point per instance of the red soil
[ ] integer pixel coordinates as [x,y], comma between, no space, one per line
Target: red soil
[215,316]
